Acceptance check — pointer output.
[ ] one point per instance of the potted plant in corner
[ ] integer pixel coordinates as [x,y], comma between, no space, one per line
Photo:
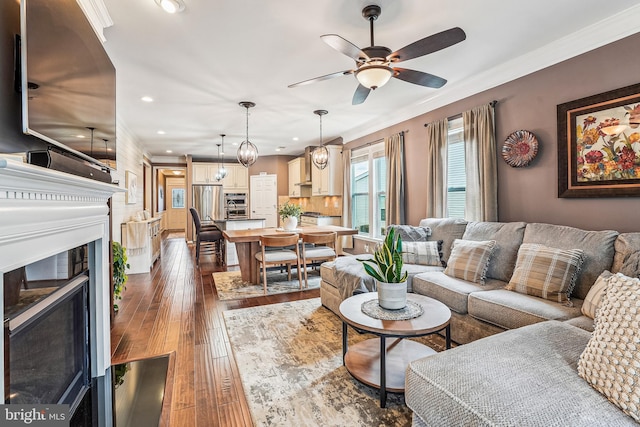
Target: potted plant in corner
[119,272]
[386,269]
[290,215]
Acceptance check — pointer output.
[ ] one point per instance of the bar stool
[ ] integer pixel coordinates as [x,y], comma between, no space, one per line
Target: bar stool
[323,249]
[278,254]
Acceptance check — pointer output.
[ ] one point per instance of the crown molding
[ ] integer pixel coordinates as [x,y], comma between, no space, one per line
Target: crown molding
[98,16]
[609,30]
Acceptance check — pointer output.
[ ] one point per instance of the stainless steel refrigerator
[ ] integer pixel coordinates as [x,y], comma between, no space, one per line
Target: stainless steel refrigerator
[208,200]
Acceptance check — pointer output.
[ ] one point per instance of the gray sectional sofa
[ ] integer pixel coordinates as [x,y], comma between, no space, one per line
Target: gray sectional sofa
[526,375]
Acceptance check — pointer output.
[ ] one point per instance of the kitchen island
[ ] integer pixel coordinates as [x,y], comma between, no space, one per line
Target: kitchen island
[231,256]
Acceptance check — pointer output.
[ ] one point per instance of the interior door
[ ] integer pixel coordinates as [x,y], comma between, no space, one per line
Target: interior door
[263,199]
[176,195]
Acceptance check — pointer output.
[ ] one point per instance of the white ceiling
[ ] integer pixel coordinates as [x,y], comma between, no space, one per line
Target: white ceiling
[198,64]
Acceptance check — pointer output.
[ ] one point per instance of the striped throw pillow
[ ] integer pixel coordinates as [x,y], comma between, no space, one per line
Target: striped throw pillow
[546,272]
[596,293]
[422,253]
[469,260]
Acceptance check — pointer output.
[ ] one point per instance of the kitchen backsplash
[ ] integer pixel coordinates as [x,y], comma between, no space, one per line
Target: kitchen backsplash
[326,205]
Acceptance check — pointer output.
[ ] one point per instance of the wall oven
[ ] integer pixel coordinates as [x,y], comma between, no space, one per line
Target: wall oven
[236,206]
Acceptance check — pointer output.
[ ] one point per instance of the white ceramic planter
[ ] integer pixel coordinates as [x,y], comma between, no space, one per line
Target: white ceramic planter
[290,223]
[392,296]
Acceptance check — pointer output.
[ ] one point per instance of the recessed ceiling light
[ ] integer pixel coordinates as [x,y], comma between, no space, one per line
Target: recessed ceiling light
[161,132]
[295,138]
[171,6]
[146,99]
[234,143]
[279,148]
[169,151]
[80,136]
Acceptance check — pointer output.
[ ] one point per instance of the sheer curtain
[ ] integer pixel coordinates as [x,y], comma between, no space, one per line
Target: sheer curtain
[481,202]
[394,199]
[347,241]
[436,169]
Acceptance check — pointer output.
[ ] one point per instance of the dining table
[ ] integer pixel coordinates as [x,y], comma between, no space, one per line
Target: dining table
[248,244]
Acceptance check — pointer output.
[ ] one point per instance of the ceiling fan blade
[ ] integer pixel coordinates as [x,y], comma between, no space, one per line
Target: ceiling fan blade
[321,78]
[429,44]
[360,95]
[419,78]
[344,46]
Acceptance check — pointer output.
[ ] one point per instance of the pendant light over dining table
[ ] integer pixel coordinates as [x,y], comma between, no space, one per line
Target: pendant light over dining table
[247,152]
[320,155]
[221,170]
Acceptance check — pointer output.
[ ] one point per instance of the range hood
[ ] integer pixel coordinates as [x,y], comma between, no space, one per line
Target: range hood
[305,175]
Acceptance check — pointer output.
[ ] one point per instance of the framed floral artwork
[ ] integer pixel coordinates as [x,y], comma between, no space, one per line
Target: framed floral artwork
[599,145]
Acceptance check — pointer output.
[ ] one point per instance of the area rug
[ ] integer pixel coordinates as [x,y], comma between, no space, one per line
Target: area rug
[230,285]
[290,360]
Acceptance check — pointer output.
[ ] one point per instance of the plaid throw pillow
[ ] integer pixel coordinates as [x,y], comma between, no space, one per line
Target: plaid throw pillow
[422,253]
[546,272]
[594,298]
[609,361]
[469,260]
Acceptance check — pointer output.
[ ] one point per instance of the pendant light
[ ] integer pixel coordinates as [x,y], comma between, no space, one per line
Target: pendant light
[247,152]
[221,170]
[218,175]
[320,155]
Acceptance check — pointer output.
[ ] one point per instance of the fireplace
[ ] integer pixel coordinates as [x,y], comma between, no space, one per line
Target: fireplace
[46,215]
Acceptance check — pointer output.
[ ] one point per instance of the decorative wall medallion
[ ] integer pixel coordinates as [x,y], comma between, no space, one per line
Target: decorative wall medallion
[520,148]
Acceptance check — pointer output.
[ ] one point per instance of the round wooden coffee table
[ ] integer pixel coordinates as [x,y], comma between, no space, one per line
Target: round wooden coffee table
[380,364]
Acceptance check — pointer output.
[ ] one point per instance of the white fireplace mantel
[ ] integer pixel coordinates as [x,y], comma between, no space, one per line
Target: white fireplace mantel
[45,212]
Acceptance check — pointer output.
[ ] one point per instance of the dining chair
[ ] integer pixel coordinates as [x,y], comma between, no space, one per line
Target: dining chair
[208,234]
[323,249]
[274,251]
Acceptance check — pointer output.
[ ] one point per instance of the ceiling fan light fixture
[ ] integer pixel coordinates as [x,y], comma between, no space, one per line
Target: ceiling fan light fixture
[247,152]
[374,75]
[171,6]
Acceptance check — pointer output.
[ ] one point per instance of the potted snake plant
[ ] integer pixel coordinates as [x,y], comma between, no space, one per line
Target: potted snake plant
[386,269]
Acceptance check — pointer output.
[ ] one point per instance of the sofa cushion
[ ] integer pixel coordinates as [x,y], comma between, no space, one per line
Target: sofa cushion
[469,260]
[545,272]
[625,245]
[582,322]
[445,229]
[595,295]
[422,253]
[631,267]
[409,233]
[511,310]
[598,248]
[523,377]
[450,291]
[611,358]
[508,237]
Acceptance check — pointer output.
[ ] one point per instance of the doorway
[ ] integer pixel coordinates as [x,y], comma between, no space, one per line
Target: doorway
[176,196]
[263,198]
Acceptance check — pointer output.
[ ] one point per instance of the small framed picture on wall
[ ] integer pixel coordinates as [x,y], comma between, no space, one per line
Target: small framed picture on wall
[131,181]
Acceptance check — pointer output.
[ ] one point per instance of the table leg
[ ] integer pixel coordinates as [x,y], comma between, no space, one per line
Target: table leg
[448,336]
[247,261]
[344,341]
[383,372]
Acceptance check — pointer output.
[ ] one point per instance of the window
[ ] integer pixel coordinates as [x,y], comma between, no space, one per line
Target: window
[456,176]
[368,190]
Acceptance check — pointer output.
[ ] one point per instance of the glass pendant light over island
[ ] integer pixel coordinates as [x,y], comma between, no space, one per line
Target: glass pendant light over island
[221,170]
[320,156]
[247,152]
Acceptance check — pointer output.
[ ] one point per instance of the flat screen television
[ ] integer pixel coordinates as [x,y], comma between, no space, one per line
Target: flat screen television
[67,81]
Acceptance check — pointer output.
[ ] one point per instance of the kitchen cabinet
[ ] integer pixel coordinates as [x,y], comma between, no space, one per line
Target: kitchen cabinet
[231,256]
[296,177]
[237,179]
[328,181]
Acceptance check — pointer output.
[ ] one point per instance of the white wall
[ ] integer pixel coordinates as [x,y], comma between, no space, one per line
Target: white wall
[129,158]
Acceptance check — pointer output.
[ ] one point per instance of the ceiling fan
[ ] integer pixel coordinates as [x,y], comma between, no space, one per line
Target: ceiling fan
[373,63]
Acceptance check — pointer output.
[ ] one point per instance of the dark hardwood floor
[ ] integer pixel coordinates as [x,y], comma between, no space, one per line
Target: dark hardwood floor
[175,309]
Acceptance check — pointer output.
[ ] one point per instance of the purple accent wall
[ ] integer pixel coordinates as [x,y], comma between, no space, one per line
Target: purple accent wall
[530,194]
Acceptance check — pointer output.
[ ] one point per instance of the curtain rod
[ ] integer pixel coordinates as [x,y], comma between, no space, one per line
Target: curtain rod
[492,103]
